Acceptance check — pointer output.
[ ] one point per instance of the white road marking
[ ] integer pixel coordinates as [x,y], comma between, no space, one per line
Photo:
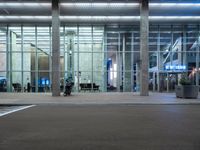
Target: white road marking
[15,110]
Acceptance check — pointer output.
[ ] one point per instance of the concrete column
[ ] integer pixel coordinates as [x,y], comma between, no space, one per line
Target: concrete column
[8,60]
[55,48]
[144,48]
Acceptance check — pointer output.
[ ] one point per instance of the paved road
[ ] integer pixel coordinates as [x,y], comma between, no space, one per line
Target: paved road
[102,127]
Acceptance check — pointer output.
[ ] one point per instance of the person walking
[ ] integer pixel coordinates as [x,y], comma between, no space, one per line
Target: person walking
[162,84]
[28,87]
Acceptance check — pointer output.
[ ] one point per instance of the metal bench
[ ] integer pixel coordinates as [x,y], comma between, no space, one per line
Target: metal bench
[88,87]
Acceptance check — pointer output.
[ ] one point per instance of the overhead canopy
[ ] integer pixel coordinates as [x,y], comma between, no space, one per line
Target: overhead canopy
[99,11]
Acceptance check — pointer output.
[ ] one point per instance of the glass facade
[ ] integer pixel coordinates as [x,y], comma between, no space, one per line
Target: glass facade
[174,50]
[97,58]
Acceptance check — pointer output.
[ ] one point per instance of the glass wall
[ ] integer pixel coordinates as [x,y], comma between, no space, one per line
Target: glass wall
[25,58]
[174,50]
[97,58]
[83,57]
[122,58]
[3,59]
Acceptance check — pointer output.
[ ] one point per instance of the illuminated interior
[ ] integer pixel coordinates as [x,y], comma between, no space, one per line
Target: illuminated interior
[100,50]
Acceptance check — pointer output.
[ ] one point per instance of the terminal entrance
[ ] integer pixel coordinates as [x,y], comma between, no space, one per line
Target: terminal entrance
[164,81]
[120,61]
[83,58]
[97,58]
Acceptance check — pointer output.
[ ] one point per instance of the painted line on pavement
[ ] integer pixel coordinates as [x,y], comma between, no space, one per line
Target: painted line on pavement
[17,109]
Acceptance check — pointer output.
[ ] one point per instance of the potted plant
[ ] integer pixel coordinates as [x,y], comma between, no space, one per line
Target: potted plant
[186,89]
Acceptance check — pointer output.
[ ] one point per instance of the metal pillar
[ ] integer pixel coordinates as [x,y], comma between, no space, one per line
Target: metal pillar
[123,62]
[184,44]
[50,59]
[92,58]
[159,60]
[132,62]
[197,67]
[78,75]
[171,46]
[36,60]
[197,61]
[144,49]
[105,71]
[137,77]
[55,48]
[118,60]
[22,58]
[154,81]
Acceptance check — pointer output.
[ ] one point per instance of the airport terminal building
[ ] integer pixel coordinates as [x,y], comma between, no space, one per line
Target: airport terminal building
[102,45]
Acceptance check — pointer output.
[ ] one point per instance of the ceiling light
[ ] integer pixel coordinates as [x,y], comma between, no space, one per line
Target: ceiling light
[111,4]
[152,5]
[176,18]
[24,17]
[100,18]
[100,4]
[9,4]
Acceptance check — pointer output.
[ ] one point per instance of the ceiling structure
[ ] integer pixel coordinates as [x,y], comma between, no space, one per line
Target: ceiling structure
[99,11]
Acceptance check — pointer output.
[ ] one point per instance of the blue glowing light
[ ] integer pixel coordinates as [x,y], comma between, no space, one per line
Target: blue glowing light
[47,82]
[175,67]
[43,81]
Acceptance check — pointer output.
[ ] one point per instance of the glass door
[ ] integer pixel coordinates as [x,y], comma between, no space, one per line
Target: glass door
[119,62]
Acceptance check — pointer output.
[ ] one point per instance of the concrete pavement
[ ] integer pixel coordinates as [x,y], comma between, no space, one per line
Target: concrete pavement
[102,127]
[94,98]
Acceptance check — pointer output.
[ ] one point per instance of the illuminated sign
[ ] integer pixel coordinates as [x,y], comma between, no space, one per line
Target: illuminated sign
[47,82]
[44,81]
[175,67]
